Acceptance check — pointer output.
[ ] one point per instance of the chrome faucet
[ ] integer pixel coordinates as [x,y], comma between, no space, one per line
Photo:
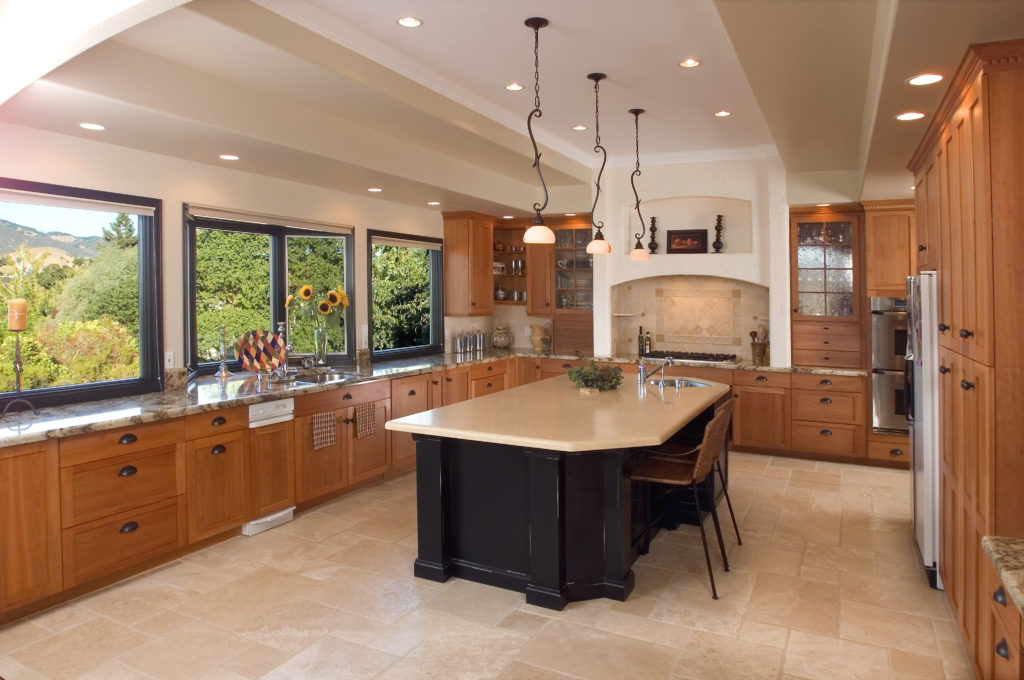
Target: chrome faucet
[642,372]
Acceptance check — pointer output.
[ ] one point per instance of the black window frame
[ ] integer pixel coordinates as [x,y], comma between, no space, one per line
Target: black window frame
[278,286]
[151,339]
[436,297]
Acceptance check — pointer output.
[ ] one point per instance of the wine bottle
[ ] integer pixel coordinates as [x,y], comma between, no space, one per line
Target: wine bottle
[640,344]
[647,343]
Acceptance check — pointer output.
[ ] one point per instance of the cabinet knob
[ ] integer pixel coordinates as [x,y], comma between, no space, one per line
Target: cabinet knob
[943,328]
[1003,649]
[826,433]
[218,421]
[895,452]
[346,397]
[762,378]
[966,385]
[825,400]
[921,248]
[943,370]
[489,385]
[127,439]
[412,393]
[490,368]
[448,379]
[218,449]
[472,304]
[964,333]
[434,382]
[349,421]
[129,527]
[826,381]
[127,471]
[999,596]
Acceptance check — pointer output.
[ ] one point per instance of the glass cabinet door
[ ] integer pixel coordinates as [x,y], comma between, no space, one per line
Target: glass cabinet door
[574,270]
[825,269]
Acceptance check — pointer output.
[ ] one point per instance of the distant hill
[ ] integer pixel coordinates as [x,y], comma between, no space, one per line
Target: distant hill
[13,235]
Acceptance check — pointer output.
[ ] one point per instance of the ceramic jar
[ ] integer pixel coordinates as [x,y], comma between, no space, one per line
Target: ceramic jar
[502,337]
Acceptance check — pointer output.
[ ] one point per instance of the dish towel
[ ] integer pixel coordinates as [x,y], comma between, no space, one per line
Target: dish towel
[366,423]
[325,429]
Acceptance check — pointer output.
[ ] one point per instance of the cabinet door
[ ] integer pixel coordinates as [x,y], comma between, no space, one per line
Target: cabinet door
[825,260]
[217,480]
[950,258]
[437,384]
[540,264]
[30,549]
[887,251]
[927,218]
[408,396]
[368,457]
[468,277]
[318,471]
[456,385]
[272,461]
[761,418]
[527,370]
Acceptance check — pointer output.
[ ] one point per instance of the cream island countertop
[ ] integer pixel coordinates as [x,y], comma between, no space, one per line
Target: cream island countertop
[555,415]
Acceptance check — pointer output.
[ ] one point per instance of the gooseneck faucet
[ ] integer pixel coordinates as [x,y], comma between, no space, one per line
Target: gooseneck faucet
[642,372]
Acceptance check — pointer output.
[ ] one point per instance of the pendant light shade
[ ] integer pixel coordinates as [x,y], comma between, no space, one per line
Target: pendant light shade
[598,245]
[539,232]
[639,253]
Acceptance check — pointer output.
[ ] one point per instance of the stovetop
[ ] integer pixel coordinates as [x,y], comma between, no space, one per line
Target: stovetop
[691,356]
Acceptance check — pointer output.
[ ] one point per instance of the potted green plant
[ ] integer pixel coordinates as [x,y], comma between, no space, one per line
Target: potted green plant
[593,378]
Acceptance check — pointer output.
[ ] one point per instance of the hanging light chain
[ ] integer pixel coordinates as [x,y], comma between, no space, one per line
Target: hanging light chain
[636,125]
[597,112]
[536,67]
[636,173]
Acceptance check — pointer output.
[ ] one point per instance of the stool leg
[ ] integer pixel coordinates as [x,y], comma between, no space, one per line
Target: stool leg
[728,502]
[704,540]
[718,526]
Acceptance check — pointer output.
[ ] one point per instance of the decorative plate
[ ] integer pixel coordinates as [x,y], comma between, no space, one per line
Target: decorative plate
[259,350]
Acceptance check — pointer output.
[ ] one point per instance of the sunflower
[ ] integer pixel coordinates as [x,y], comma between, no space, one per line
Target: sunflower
[324,307]
[306,292]
[342,298]
[288,302]
[333,298]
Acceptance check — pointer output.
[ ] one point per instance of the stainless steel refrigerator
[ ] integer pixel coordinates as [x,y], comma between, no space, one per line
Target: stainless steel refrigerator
[922,393]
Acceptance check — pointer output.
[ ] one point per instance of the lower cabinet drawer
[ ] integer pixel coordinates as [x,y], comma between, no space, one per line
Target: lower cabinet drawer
[489,385]
[830,438]
[818,357]
[96,489]
[831,407]
[491,368]
[1003,662]
[888,451]
[106,545]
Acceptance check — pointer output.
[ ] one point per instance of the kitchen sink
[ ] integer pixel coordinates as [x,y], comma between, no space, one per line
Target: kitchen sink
[677,383]
[322,377]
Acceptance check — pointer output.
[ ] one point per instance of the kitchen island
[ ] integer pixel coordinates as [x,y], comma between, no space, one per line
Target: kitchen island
[528,489]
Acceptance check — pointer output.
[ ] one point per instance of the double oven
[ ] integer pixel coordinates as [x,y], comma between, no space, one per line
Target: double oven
[888,358]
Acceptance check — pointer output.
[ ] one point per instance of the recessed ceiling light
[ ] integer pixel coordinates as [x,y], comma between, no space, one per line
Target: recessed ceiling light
[822,205]
[570,214]
[690,63]
[375,190]
[228,157]
[910,115]
[579,128]
[925,79]
[513,87]
[506,217]
[410,22]
[92,126]
[723,114]
[433,202]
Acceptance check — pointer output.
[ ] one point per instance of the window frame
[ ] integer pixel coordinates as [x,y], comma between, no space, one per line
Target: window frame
[436,297]
[278,285]
[151,339]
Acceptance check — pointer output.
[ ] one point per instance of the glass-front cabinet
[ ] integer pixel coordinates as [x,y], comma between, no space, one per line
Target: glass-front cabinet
[574,270]
[825,260]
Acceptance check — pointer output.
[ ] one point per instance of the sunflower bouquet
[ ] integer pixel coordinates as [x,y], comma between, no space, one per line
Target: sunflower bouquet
[321,307]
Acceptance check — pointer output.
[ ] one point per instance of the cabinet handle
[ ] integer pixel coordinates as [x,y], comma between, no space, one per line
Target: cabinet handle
[448,379]
[943,370]
[127,439]
[762,378]
[127,471]
[826,433]
[943,328]
[964,333]
[218,421]
[129,527]
[489,385]
[999,596]
[566,365]
[824,342]
[895,452]
[825,328]
[412,393]
[826,381]
[1003,649]
[434,382]
[349,421]
[964,384]
[825,400]
[346,397]
[218,449]
[921,248]
[547,304]
[472,304]
[490,368]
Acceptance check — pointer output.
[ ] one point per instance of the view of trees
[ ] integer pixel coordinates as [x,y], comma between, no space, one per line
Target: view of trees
[401,296]
[83,316]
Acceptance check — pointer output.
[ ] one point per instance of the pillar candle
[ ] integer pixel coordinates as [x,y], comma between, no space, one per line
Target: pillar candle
[17,314]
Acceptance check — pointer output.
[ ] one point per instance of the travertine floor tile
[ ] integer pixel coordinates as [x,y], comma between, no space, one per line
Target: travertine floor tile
[239,601]
[795,603]
[459,653]
[712,657]
[887,628]
[476,602]
[589,653]
[370,595]
[137,599]
[79,649]
[815,657]
[332,659]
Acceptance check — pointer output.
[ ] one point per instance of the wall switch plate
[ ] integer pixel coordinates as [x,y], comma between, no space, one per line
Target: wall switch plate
[168,359]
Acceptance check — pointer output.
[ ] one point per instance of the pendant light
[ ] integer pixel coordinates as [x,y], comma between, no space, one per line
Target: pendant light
[538,233]
[598,245]
[639,253]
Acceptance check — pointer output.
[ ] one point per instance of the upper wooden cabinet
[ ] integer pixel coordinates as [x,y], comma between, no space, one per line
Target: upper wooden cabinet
[540,272]
[468,277]
[825,263]
[888,255]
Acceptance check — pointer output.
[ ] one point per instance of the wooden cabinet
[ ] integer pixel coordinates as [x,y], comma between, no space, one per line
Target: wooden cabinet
[456,385]
[468,274]
[828,415]
[549,368]
[540,272]
[891,447]
[487,378]
[761,417]
[437,384]
[318,471]
[511,273]
[368,456]
[527,370]
[925,247]
[408,396]
[217,470]
[888,259]
[30,548]
[272,465]
[572,326]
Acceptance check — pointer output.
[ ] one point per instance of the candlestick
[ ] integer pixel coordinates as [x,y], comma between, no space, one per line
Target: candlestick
[223,372]
[17,314]
[17,375]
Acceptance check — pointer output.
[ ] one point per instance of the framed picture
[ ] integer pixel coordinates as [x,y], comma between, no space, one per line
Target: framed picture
[686,241]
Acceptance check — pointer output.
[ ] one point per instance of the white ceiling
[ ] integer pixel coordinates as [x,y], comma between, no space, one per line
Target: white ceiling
[334,93]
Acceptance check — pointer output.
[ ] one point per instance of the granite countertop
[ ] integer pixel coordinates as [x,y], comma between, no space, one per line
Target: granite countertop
[208,393]
[564,418]
[1007,554]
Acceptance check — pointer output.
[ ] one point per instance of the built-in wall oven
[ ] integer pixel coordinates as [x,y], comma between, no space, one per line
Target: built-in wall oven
[888,356]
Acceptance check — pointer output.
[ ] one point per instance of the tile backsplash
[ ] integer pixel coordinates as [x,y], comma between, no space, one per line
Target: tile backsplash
[688,314]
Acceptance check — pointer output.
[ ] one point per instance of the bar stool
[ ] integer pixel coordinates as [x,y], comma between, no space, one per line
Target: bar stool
[662,468]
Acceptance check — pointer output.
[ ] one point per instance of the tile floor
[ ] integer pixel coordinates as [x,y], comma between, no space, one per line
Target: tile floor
[826,585]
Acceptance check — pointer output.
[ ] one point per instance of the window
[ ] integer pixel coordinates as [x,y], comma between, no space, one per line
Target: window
[88,265]
[241,274]
[406,290]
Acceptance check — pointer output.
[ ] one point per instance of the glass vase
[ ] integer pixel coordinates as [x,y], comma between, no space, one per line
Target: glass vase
[320,345]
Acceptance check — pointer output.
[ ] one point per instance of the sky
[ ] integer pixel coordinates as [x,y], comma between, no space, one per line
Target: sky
[74,221]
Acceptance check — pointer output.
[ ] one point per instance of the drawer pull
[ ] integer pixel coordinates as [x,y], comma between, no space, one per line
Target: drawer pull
[434,382]
[412,393]
[489,385]
[349,421]
[964,333]
[566,365]
[825,400]
[943,370]
[999,596]
[1003,649]
[921,248]
[895,452]
[346,397]
[826,433]
[826,381]
[218,421]
[964,384]
[218,449]
[824,342]
[129,527]
[762,378]
[127,439]
[127,471]
[490,368]
[943,327]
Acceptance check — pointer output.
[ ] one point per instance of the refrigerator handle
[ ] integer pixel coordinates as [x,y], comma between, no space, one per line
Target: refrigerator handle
[908,389]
